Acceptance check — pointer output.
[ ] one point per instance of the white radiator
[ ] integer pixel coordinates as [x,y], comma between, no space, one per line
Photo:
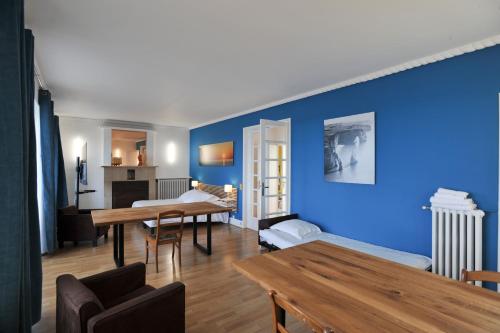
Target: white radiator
[457,241]
[171,188]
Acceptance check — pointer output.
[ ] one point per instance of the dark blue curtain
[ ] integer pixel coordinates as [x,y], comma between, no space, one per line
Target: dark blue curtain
[20,260]
[48,152]
[55,194]
[33,239]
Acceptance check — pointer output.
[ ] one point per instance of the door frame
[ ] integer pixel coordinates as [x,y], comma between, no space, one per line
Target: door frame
[246,166]
[498,204]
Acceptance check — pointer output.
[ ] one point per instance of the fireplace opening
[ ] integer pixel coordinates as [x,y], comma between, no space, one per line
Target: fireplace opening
[124,193]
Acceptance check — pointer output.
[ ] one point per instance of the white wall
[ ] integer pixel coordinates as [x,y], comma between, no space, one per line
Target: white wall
[171,155]
[171,152]
[74,132]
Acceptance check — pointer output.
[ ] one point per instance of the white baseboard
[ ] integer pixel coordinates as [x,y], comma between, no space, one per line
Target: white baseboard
[252,227]
[236,222]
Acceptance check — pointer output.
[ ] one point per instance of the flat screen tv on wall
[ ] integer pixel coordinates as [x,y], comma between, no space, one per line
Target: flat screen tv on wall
[217,154]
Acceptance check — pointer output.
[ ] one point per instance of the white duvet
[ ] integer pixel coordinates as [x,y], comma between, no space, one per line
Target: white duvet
[283,240]
[188,197]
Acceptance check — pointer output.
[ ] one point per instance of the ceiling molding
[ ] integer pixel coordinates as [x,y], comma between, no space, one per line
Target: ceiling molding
[123,124]
[113,123]
[468,48]
[127,124]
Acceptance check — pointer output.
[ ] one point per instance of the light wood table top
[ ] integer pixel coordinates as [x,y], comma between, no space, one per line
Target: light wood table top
[139,214]
[350,291]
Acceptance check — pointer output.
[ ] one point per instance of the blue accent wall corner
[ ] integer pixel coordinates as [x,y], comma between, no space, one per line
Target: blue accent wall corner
[436,126]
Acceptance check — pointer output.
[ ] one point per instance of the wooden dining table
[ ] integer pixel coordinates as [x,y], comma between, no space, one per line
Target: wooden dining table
[121,216]
[350,291]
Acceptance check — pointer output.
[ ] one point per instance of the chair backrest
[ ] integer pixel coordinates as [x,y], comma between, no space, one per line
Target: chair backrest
[484,276]
[175,228]
[279,302]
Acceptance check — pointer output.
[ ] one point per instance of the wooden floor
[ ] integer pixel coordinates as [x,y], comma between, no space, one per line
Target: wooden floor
[218,299]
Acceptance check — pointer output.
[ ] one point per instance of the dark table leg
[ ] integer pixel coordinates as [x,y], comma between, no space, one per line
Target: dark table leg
[195,230]
[208,249]
[209,234]
[118,231]
[281,316]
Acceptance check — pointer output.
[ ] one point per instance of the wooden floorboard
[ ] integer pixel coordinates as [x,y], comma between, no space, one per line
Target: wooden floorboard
[218,299]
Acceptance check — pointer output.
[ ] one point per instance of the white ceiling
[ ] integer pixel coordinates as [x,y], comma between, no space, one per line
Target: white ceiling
[183,62]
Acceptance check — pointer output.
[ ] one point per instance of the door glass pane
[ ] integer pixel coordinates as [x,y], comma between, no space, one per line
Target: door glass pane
[255,211]
[276,186]
[272,151]
[272,205]
[272,169]
[283,169]
[282,203]
[256,138]
[275,204]
[276,151]
[282,152]
[276,168]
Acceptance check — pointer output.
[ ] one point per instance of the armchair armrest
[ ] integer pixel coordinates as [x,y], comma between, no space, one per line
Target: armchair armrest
[76,304]
[117,282]
[161,310]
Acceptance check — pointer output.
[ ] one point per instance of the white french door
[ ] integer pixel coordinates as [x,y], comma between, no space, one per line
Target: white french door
[251,192]
[274,170]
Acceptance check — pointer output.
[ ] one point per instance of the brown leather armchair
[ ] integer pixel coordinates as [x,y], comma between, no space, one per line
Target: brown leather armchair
[76,225]
[119,301]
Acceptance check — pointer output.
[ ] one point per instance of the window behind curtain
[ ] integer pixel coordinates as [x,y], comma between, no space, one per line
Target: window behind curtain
[43,240]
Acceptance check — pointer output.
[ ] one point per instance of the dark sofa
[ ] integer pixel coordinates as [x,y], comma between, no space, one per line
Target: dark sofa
[119,301]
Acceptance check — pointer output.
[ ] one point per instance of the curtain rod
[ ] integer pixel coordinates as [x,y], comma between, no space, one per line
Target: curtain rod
[39,77]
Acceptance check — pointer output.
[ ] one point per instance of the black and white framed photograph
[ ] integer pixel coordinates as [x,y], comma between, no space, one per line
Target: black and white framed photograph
[349,149]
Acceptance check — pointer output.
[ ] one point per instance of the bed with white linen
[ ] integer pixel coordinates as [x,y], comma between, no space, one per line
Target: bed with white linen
[288,231]
[188,197]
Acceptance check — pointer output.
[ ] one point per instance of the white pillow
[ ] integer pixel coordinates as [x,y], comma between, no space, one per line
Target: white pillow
[196,196]
[297,228]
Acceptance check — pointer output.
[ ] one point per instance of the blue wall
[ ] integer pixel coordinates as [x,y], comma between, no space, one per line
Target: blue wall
[436,125]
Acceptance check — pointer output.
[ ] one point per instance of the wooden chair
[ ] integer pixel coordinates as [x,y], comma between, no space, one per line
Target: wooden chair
[281,306]
[170,233]
[484,276]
